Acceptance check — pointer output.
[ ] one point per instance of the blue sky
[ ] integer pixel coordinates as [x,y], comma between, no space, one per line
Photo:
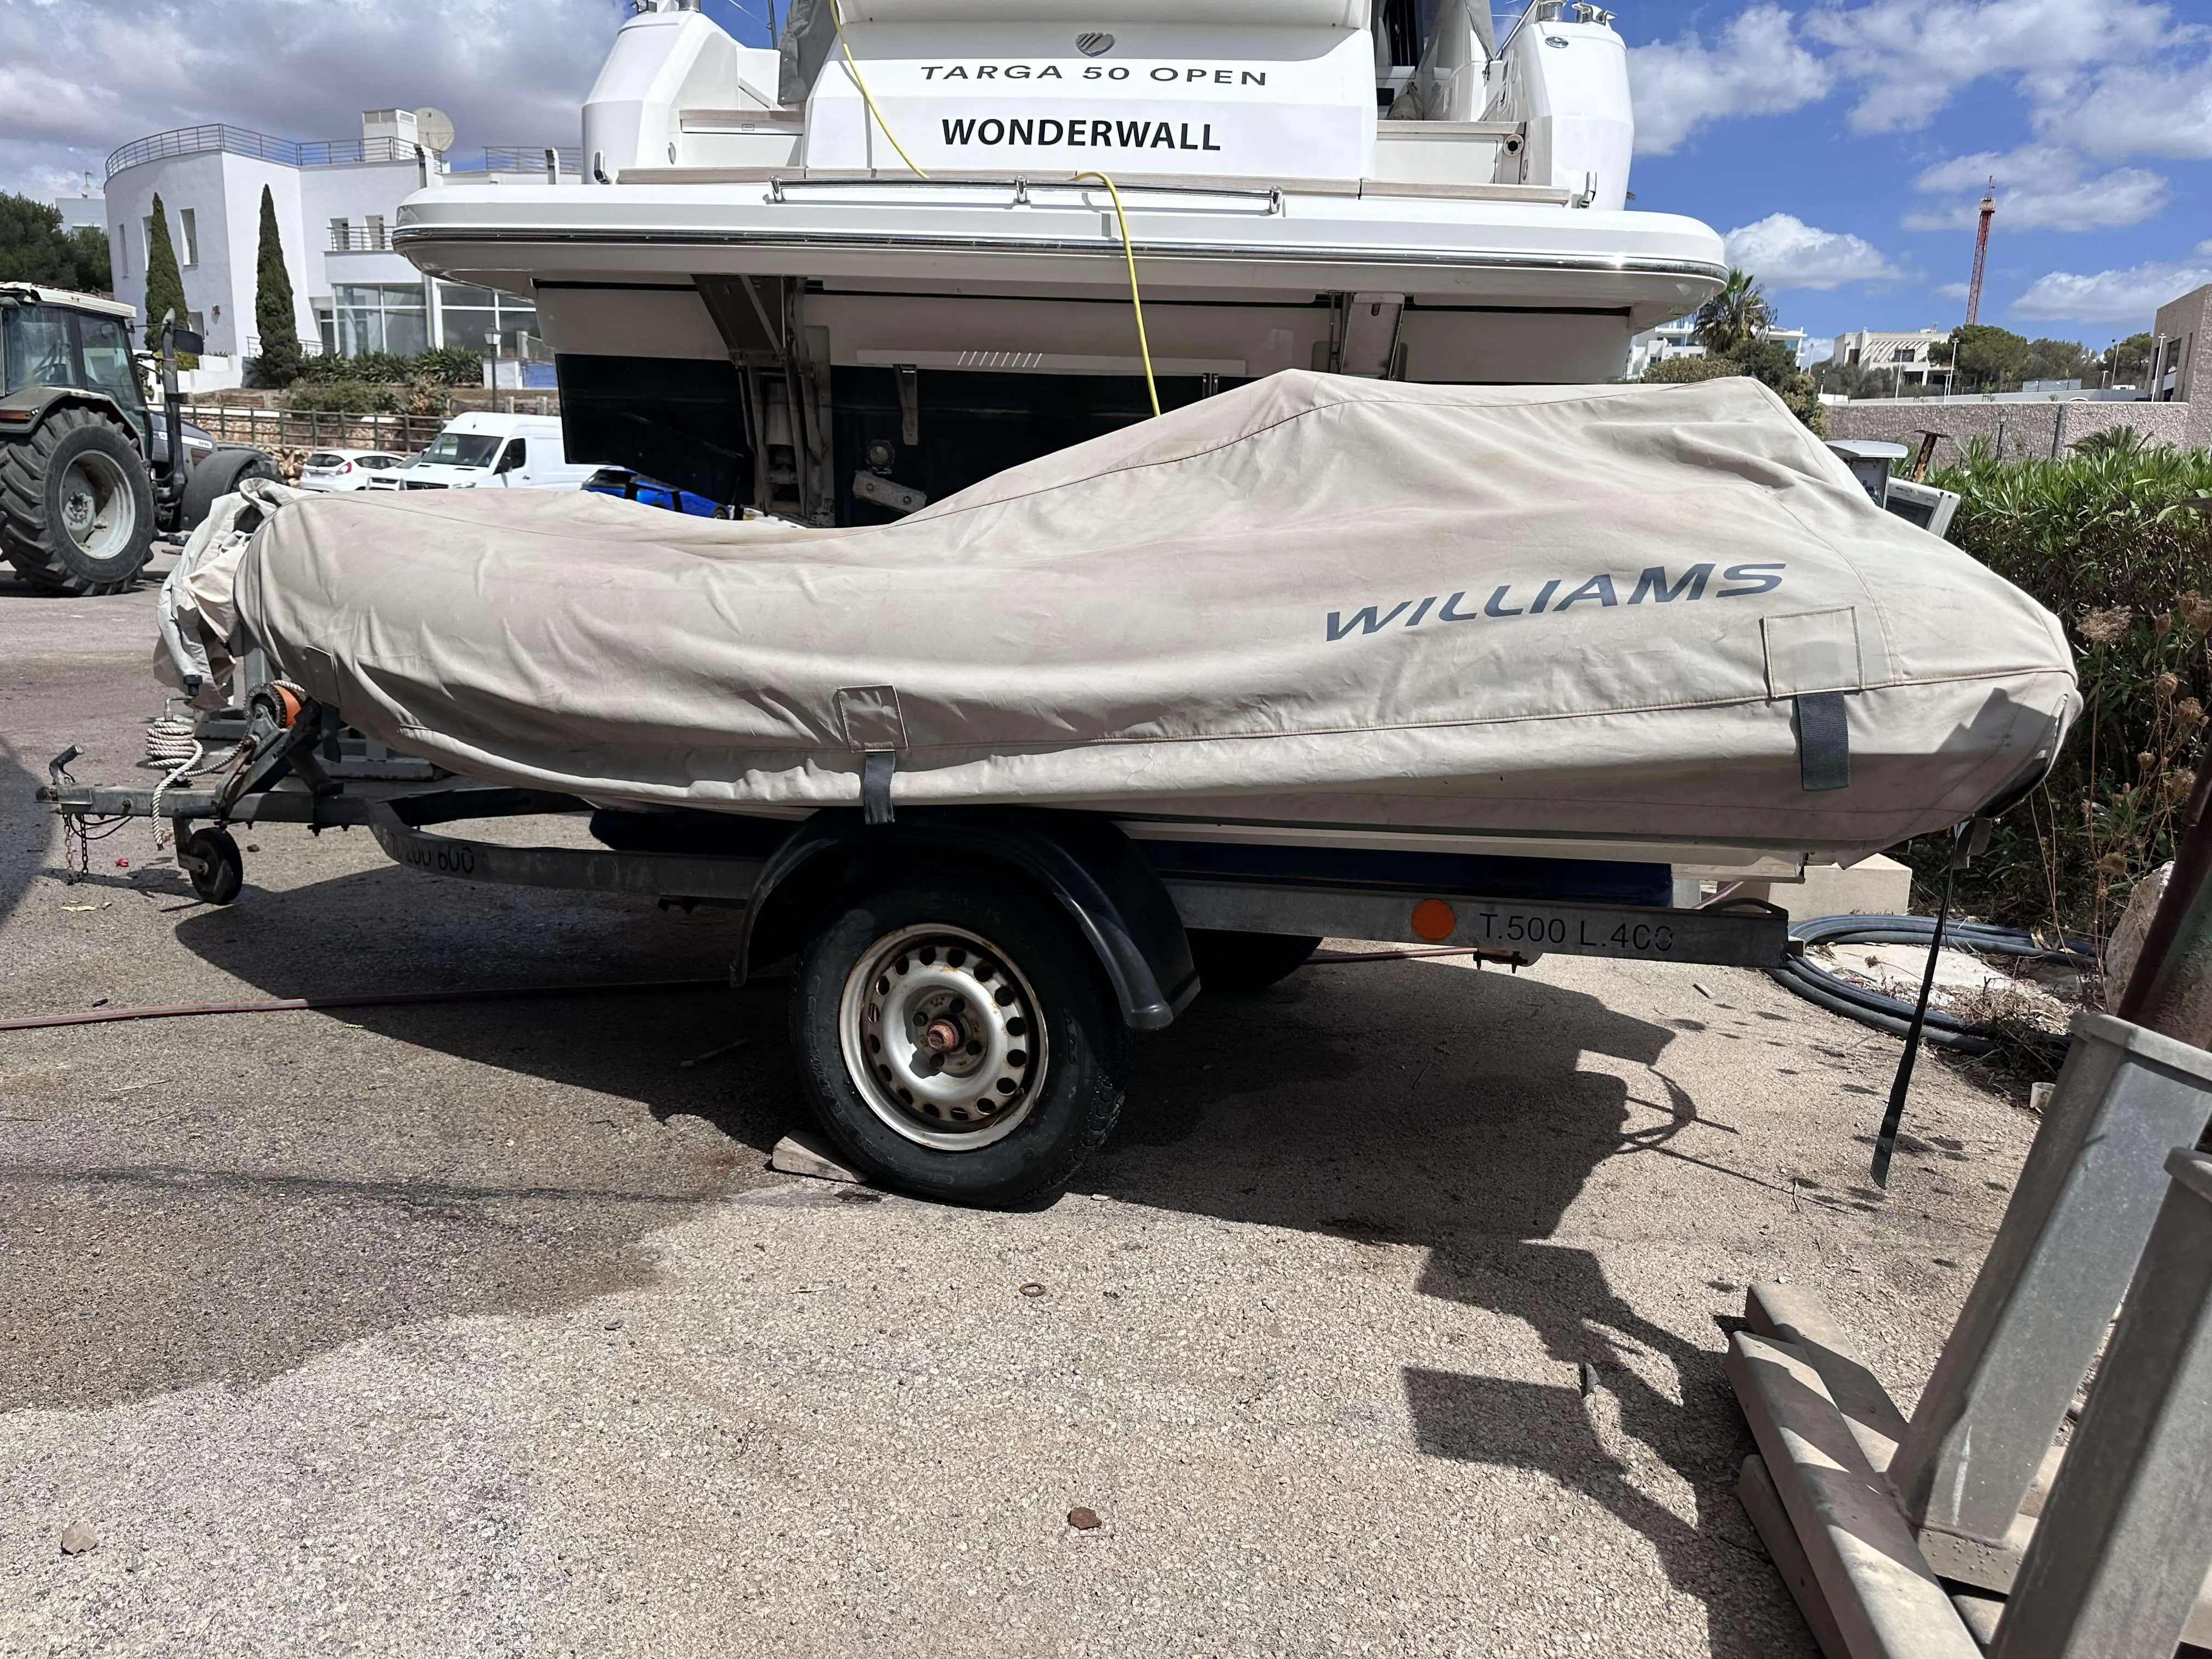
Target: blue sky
[1840,143]
[1870,128]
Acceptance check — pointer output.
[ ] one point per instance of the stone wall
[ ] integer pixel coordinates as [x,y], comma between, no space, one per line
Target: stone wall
[2027,429]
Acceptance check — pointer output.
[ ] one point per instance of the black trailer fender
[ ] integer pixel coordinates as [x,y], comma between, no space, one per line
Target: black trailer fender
[1115,901]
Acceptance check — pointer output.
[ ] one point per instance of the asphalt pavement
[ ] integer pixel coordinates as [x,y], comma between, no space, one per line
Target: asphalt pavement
[1386,1323]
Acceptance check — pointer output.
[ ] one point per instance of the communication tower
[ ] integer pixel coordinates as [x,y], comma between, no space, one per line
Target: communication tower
[1981,253]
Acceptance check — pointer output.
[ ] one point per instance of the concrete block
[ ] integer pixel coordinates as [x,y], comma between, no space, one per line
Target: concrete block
[1884,1601]
[1879,886]
[1755,1490]
[803,1153]
[1794,1315]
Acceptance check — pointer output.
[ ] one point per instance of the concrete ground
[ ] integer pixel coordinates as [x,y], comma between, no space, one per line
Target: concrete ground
[1388,1322]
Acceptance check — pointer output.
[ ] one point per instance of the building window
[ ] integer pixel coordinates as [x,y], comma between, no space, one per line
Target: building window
[468,313]
[146,230]
[376,231]
[341,235]
[191,248]
[122,253]
[375,317]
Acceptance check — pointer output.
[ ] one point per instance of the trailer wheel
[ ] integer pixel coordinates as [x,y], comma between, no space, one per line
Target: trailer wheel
[1245,962]
[958,1042]
[211,857]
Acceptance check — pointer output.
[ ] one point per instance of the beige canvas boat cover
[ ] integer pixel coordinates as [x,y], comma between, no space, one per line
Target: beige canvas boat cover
[1612,610]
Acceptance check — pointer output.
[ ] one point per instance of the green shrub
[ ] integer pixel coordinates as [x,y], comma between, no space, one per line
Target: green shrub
[448,366]
[2102,538]
[344,397]
[1768,362]
[453,365]
[372,367]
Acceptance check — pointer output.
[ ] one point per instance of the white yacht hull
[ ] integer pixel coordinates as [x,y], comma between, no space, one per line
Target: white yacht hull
[836,283]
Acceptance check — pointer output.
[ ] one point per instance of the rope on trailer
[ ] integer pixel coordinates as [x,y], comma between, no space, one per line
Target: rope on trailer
[174,741]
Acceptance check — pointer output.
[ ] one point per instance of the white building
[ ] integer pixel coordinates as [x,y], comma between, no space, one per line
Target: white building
[89,209]
[1908,358]
[335,201]
[1680,339]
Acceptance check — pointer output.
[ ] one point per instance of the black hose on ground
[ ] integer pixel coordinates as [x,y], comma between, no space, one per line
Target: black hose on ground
[1805,976]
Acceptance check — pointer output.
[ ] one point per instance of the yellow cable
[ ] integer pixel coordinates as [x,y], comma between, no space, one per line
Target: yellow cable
[1136,304]
[867,97]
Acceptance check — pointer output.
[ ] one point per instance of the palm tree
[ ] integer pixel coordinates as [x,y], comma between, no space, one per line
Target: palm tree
[1734,316]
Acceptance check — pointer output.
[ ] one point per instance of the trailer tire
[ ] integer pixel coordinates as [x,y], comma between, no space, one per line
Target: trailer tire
[1241,964]
[76,507]
[972,1002]
[218,870]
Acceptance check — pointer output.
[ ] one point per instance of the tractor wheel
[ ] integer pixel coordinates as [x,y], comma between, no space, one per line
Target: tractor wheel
[76,507]
[218,476]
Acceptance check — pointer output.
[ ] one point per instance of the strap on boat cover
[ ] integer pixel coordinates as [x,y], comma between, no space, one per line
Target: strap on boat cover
[1823,740]
[876,768]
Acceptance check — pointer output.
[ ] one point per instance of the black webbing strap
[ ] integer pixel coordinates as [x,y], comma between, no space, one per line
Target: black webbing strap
[1885,1142]
[1824,739]
[876,768]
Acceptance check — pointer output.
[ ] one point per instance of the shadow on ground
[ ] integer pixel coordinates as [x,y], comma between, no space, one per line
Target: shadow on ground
[233,1194]
[23,860]
[1403,1102]
[1417,1102]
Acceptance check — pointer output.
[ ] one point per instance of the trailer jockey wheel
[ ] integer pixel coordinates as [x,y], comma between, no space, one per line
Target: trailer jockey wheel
[959,1041]
[211,858]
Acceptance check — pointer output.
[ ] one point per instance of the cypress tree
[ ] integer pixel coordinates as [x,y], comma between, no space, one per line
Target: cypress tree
[165,285]
[273,317]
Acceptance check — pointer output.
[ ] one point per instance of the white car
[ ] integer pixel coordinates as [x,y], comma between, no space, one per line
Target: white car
[487,448]
[346,469]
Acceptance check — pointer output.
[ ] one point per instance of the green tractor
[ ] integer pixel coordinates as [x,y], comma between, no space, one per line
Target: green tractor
[89,477]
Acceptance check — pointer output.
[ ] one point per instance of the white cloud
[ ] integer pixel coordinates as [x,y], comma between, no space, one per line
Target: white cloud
[1951,291]
[1909,56]
[78,79]
[2119,79]
[2137,110]
[2040,187]
[1783,251]
[1756,67]
[2129,296]
[1816,349]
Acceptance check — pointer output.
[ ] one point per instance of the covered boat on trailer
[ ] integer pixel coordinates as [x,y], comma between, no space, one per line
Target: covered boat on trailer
[1492,668]
[1647,617]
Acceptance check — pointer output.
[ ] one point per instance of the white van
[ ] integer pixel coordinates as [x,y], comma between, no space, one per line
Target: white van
[486,450]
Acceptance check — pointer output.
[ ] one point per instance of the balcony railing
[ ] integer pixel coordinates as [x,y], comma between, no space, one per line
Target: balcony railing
[360,239]
[336,152]
[515,158]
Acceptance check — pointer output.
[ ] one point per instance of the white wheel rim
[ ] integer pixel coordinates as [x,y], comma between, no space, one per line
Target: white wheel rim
[942,1037]
[98,510]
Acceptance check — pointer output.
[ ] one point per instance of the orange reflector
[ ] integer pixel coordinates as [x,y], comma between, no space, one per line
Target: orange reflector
[1434,920]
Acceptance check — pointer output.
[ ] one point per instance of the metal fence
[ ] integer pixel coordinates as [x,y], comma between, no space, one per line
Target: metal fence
[336,152]
[516,158]
[348,238]
[279,430]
